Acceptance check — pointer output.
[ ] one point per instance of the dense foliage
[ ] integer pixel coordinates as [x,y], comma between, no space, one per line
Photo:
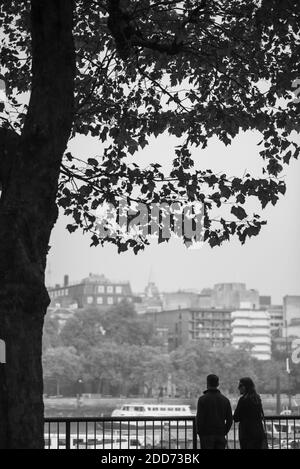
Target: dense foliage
[193,70]
[113,357]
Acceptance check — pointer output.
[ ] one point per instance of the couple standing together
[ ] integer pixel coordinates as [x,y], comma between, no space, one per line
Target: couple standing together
[214,416]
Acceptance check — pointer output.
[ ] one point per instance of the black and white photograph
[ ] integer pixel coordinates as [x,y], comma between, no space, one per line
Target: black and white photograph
[149,227]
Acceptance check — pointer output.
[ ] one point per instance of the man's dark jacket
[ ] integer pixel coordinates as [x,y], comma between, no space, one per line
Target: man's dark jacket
[214,414]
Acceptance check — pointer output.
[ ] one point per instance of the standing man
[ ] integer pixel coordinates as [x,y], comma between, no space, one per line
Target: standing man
[214,416]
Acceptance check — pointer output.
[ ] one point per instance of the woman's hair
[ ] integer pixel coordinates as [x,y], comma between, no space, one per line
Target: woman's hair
[249,385]
[250,390]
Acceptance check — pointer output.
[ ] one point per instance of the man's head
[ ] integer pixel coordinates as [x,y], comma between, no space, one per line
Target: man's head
[212,381]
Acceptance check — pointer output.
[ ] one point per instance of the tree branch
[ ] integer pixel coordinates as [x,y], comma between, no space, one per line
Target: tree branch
[127,35]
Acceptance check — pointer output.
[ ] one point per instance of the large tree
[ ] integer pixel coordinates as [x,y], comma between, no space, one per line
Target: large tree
[122,71]
[62,365]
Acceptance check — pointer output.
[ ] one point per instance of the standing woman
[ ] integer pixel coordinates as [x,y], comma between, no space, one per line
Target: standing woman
[249,414]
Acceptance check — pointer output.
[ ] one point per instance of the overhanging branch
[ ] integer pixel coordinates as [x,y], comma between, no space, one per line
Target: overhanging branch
[127,34]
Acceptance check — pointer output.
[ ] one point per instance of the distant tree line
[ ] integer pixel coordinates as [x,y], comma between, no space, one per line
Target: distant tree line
[118,352]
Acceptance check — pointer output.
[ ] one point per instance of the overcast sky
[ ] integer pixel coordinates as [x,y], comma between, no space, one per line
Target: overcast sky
[269,262]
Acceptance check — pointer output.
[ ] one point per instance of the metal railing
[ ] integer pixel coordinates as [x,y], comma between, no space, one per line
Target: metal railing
[135,433]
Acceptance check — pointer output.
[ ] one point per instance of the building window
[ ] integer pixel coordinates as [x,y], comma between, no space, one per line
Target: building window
[89,300]
[118,289]
[101,289]
[110,289]
[110,300]
[99,300]
[120,299]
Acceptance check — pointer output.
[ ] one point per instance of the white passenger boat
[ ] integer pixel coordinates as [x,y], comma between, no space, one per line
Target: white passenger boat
[280,429]
[90,441]
[150,411]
